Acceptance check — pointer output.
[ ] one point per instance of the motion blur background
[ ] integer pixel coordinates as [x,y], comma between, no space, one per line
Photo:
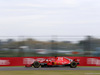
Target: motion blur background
[24,46]
[49,28]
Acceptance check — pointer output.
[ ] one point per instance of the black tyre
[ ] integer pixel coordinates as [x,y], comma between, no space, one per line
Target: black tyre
[73,64]
[36,64]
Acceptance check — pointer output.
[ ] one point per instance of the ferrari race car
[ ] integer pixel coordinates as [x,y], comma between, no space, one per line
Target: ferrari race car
[56,62]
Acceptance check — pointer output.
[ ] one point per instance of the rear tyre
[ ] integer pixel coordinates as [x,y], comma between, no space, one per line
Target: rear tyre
[73,64]
[36,64]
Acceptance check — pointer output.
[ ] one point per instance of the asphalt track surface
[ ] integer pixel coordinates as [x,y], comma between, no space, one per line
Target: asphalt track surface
[50,68]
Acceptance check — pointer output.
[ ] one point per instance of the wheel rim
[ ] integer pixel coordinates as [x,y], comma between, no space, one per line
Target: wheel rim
[36,64]
[73,64]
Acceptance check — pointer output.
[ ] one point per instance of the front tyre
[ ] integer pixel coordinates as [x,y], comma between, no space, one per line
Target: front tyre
[36,64]
[73,64]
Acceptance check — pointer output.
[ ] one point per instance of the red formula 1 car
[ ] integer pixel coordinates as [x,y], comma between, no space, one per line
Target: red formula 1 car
[56,62]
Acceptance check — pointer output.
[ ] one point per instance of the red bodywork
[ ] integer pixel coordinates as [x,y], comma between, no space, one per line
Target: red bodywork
[56,61]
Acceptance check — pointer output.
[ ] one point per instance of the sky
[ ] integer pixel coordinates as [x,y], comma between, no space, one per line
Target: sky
[49,17]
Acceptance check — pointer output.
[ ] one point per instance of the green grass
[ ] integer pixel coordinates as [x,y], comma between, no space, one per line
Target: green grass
[45,72]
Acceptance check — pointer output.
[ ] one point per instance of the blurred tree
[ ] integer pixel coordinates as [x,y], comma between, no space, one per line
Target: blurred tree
[86,44]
